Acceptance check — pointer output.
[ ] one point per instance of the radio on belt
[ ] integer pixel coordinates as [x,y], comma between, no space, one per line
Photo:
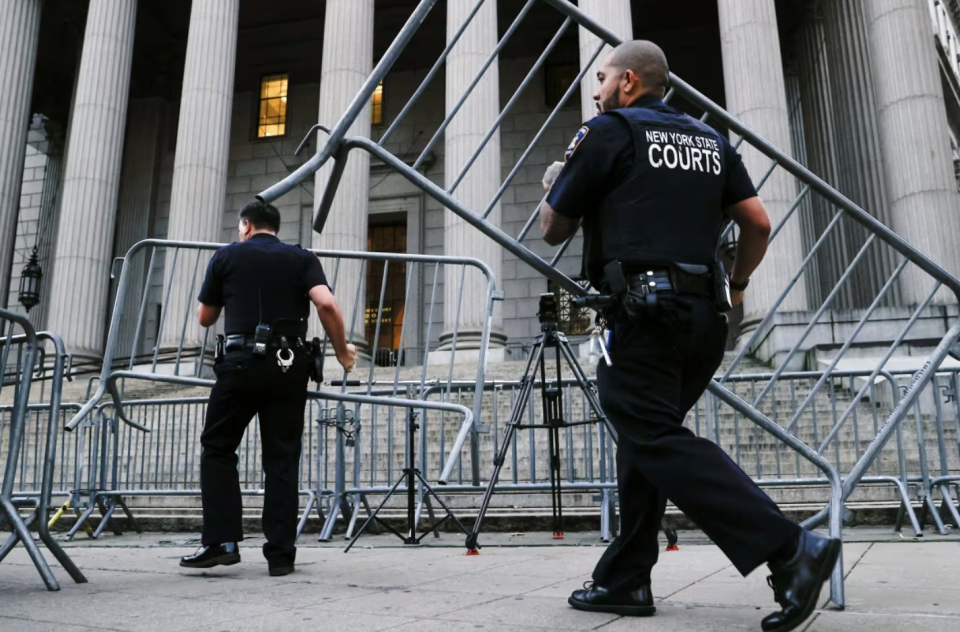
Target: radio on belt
[261,338]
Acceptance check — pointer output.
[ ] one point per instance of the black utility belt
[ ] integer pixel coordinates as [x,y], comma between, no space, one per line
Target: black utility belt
[246,342]
[675,280]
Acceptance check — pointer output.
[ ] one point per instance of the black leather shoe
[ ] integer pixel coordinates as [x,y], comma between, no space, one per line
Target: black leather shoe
[213,555]
[280,571]
[630,603]
[796,583]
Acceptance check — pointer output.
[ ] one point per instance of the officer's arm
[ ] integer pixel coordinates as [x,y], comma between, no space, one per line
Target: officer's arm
[208,315]
[555,227]
[331,318]
[751,217]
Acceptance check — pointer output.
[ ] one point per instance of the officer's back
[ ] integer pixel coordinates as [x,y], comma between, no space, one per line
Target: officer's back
[263,280]
[663,179]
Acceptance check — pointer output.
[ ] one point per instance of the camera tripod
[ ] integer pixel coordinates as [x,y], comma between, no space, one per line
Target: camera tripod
[411,474]
[553,419]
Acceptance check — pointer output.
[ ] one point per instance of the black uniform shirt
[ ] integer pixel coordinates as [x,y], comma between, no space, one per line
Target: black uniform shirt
[676,173]
[265,274]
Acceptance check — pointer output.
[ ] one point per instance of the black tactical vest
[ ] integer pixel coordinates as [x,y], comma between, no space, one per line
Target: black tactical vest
[669,207]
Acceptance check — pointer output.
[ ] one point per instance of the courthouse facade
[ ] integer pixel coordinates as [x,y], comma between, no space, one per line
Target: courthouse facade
[123,120]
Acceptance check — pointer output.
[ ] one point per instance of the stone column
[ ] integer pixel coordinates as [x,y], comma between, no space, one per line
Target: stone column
[347,62]
[482,181]
[136,207]
[857,135]
[821,153]
[914,137]
[753,74]
[19,33]
[200,164]
[616,16]
[81,274]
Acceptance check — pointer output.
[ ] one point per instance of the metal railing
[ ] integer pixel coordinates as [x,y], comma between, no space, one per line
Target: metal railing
[27,346]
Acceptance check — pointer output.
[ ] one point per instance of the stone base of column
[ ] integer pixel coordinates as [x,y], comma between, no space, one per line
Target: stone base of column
[835,328]
[468,347]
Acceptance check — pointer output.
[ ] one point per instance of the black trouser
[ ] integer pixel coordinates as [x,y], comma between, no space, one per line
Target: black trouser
[246,386]
[658,374]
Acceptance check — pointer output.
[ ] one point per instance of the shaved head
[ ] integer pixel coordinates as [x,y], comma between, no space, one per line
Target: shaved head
[646,60]
[632,70]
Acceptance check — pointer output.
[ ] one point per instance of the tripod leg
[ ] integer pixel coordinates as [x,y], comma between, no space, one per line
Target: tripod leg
[429,491]
[516,415]
[588,391]
[366,506]
[488,494]
[373,516]
[558,481]
[430,513]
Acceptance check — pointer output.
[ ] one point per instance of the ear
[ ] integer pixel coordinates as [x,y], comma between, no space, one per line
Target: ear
[632,81]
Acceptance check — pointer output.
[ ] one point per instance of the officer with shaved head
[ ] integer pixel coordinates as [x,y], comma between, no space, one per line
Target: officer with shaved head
[653,189]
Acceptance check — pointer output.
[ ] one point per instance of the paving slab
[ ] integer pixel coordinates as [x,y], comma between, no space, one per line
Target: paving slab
[516,583]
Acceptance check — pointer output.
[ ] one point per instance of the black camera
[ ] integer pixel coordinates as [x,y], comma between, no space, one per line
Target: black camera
[548,308]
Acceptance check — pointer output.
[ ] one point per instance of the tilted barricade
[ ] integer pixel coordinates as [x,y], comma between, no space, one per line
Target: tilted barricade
[825,272]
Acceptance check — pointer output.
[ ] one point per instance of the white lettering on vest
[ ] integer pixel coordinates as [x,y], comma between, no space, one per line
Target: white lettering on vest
[671,150]
[654,162]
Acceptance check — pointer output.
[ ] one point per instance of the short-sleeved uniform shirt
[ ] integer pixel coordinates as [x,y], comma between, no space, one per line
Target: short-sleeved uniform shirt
[262,280]
[684,163]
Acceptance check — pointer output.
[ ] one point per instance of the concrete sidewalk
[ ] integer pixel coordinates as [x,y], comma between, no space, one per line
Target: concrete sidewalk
[516,583]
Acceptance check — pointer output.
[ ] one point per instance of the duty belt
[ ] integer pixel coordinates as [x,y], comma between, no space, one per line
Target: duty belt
[244,342]
[671,280]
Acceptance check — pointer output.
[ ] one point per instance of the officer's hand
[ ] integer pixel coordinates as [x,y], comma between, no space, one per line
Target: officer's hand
[349,359]
[736,297]
[551,175]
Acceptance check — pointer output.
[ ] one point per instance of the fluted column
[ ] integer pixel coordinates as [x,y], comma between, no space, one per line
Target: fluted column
[616,16]
[203,149]
[860,176]
[136,206]
[914,137]
[347,62]
[821,152]
[753,75]
[81,275]
[19,33]
[482,181]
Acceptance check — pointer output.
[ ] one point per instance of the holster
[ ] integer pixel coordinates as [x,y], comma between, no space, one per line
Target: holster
[315,360]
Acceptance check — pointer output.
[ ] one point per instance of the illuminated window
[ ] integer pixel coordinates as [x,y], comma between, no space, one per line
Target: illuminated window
[376,113]
[273,106]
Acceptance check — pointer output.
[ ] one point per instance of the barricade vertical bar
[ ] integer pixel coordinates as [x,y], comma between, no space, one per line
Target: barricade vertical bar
[143,309]
[483,69]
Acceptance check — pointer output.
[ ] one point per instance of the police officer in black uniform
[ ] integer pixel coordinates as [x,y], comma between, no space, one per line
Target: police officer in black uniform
[266,287]
[653,188]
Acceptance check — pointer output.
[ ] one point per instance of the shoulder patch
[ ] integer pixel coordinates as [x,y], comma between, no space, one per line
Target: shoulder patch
[576,143]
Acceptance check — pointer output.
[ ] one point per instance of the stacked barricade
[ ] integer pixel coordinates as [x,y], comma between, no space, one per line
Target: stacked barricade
[31,457]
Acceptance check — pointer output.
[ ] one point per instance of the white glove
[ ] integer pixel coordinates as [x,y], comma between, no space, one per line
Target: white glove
[551,175]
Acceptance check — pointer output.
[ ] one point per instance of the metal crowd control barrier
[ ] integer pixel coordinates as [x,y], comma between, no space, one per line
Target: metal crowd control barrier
[370,457]
[27,345]
[76,471]
[836,224]
[174,343]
